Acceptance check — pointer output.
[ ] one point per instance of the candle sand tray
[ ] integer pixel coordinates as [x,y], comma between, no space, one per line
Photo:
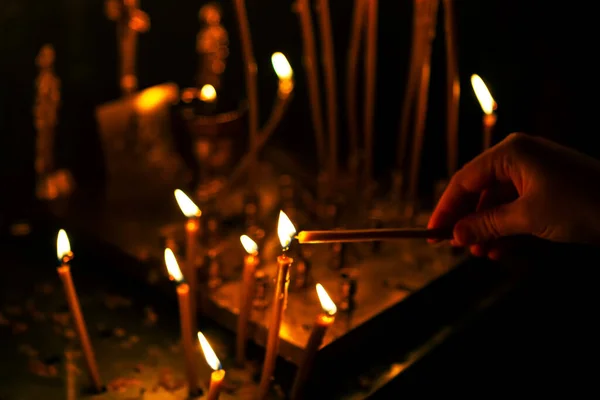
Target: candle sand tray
[395,285]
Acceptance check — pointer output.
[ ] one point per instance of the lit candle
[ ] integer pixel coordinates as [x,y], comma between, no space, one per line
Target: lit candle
[183,297]
[309,54]
[63,251]
[251,261]
[285,231]
[285,74]
[330,86]
[218,374]
[192,228]
[488,105]
[324,321]
[370,83]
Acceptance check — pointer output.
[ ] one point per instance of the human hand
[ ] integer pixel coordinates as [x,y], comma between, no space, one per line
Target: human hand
[523,185]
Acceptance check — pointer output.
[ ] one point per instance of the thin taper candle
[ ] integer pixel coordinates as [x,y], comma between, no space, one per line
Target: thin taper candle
[309,55]
[330,83]
[324,321]
[453,88]
[251,71]
[185,320]
[358,19]
[370,85]
[218,375]
[371,235]
[246,296]
[64,271]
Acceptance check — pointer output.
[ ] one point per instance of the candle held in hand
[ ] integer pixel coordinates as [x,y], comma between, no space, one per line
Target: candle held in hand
[488,105]
[324,321]
[251,261]
[183,297]
[63,250]
[371,235]
[218,374]
[192,229]
[285,231]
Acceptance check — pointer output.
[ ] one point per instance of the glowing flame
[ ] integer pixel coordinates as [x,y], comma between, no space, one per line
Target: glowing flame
[282,66]
[63,247]
[285,230]
[326,303]
[249,245]
[483,95]
[211,358]
[208,93]
[172,266]
[188,208]
[153,97]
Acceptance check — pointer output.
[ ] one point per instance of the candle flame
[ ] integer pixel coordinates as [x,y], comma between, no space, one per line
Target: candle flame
[208,93]
[172,266]
[211,358]
[488,105]
[249,245]
[63,247]
[282,67]
[188,207]
[285,230]
[326,303]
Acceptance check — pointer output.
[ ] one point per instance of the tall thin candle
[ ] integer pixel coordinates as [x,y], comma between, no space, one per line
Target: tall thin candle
[309,54]
[488,105]
[251,261]
[330,83]
[285,231]
[430,16]
[370,89]
[324,321]
[251,71]
[453,88]
[218,374]
[192,229]
[63,250]
[358,19]
[183,297]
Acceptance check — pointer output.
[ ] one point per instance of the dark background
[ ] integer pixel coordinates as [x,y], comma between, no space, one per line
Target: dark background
[534,56]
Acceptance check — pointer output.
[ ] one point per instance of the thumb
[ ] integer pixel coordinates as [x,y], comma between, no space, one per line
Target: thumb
[485,225]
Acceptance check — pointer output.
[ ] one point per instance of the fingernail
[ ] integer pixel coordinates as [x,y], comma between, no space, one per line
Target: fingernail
[464,235]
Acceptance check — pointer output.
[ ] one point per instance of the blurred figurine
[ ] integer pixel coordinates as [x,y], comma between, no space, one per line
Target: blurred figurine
[130,21]
[212,46]
[45,110]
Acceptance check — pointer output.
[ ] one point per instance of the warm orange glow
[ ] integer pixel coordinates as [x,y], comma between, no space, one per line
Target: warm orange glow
[211,358]
[188,95]
[63,247]
[153,97]
[249,245]
[285,230]
[326,303]
[188,207]
[173,266]
[208,93]
[488,105]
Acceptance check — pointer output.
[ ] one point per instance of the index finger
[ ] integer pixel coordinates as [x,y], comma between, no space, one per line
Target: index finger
[462,194]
